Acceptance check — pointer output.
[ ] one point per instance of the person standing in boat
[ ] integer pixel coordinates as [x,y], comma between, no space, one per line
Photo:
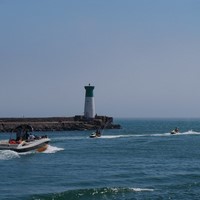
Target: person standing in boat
[26,135]
[98,133]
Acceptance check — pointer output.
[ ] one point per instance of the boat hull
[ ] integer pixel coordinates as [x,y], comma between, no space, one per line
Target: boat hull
[39,145]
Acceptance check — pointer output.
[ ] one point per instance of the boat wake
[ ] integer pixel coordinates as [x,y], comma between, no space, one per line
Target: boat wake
[52,149]
[8,155]
[190,132]
[120,136]
[114,136]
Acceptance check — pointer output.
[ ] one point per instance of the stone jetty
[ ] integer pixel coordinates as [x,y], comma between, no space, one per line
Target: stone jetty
[59,123]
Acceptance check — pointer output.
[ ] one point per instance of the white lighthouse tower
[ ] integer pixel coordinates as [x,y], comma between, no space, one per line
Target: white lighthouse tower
[89,109]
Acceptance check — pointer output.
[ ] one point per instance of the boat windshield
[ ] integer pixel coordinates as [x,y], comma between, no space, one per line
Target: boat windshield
[22,132]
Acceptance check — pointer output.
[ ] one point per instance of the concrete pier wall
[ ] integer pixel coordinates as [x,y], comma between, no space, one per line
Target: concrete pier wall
[59,123]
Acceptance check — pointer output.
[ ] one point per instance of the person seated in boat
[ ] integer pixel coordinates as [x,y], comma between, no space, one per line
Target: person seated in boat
[31,137]
[176,130]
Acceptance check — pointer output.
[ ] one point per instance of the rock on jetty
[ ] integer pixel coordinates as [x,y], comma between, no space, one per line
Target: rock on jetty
[59,123]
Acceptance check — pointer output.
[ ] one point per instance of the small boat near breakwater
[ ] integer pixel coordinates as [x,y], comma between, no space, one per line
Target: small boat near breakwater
[24,140]
[99,131]
[96,134]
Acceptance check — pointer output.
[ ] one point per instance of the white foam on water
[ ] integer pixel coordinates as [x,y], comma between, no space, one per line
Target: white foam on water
[52,149]
[8,155]
[27,153]
[142,189]
[160,134]
[190,132]
[113,136]
[120,136]
[116,190]
[119,190]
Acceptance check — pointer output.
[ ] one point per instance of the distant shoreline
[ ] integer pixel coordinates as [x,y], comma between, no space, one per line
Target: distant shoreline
[59,123]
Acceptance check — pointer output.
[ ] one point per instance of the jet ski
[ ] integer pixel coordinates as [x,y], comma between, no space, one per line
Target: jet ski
[99,131]
[95,135]
[175,131]
[25,141]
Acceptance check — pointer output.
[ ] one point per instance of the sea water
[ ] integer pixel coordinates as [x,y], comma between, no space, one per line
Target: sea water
[140,161]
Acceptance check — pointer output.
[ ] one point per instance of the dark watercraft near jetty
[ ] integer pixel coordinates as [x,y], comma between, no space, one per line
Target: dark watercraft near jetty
[58,123]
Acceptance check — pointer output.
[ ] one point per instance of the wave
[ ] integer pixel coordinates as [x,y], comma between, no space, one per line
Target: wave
[96,193]
[52,149]
[8,155]
[114,136]
[190,132]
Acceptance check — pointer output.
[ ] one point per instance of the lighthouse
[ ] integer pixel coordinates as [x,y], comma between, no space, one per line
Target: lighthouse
[89,109]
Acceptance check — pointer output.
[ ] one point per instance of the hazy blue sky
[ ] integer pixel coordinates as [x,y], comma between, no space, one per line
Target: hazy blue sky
[142,56]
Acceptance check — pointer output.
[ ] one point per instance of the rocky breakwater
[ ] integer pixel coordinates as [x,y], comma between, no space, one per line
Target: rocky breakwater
[59,123]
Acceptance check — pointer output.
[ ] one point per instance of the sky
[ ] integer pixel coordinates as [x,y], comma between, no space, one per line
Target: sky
[142,56]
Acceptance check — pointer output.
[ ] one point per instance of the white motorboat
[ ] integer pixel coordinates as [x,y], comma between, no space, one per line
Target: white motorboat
[24,141]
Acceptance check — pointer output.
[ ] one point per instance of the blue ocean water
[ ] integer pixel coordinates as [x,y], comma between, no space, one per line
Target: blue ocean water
[140,161]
